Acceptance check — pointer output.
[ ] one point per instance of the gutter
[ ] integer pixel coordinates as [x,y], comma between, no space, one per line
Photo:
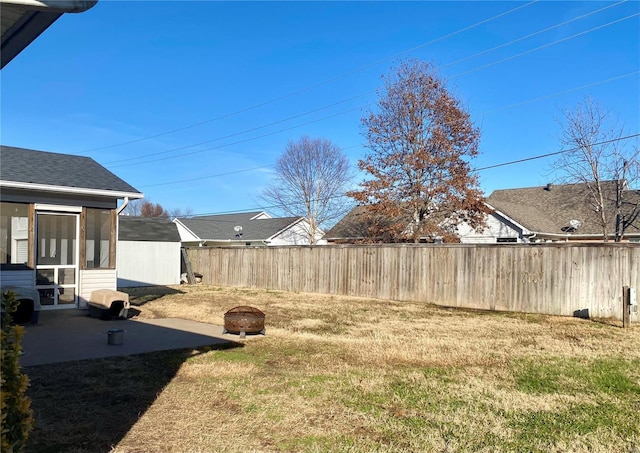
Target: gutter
[53,6]
[70,190]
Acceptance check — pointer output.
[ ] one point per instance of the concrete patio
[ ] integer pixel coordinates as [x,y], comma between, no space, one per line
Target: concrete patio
[69,335]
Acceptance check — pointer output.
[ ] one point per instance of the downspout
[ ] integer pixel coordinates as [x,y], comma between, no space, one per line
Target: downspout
[125,202]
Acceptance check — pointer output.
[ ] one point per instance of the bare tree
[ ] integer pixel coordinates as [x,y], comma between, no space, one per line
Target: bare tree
[420,184]
[311,177]
[181,212]
[145,208]
[133,208]
[599,157]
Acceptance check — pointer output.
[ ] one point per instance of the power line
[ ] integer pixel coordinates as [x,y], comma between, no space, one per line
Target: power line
[242,141]
[503,164]
[235,134]
[363,94]
[308,88]
[353,146]
[546,45]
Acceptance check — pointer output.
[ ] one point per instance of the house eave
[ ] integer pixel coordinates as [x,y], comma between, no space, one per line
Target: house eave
[570,236]
[24,20]
[70,190]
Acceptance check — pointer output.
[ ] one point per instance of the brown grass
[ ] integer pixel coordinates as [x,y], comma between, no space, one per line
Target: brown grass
[340,374]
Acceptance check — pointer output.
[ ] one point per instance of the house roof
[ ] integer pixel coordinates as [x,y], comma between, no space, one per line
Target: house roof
[546,210]
[22,21]
[351,227]
[39,170]
[222,227]
[147,229]
[551,209]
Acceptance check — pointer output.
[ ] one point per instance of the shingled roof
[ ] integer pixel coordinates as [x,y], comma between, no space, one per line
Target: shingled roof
[221,227]
[546,211]
[31,169]
[147,229]
[550,209]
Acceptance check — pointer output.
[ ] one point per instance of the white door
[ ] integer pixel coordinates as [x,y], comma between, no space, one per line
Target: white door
[57,259]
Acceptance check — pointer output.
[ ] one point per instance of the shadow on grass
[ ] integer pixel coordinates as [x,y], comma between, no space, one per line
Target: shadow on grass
[90,405]
[138,296]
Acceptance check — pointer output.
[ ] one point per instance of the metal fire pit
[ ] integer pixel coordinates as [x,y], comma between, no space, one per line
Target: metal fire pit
[243,320]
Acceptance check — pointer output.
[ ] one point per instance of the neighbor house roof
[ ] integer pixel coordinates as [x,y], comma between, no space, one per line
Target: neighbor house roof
[557,209]
[147,229]
[352,227]
[29,169]
[223,227]
[22,21]
[540,211]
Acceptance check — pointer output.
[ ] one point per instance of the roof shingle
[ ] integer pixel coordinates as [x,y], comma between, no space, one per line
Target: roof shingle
[54,169]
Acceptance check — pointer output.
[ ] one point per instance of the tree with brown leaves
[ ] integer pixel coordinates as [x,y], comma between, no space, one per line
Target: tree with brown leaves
[420,142]
[146,208]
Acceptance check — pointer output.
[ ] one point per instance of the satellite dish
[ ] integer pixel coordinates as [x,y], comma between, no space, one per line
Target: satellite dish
[237,228]
[575,224]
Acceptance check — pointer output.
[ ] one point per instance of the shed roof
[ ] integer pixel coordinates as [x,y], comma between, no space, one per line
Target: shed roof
[40,170]
[147,229]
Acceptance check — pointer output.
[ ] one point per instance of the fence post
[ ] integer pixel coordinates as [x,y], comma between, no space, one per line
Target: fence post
[626,307]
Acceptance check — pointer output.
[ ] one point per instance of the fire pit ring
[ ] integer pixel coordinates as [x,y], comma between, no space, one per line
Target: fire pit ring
[244,320]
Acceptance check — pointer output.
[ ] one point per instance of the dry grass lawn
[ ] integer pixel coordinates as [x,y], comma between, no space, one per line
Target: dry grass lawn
[343,374]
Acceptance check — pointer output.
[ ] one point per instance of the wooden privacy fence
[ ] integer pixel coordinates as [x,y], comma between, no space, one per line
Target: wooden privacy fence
[557,279]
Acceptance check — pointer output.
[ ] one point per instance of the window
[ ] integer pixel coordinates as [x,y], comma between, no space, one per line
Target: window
[98,239]
[507,240]
[14,233]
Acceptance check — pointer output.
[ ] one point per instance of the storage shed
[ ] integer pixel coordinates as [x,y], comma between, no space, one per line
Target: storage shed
[148,252]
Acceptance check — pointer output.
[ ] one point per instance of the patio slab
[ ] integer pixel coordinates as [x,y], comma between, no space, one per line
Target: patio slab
[65,336]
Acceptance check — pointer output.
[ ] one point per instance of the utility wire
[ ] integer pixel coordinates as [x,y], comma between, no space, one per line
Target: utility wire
[353,146]
[546,45]
[242,141]
[363,94]
[308,88]
[235,133]
[503,164]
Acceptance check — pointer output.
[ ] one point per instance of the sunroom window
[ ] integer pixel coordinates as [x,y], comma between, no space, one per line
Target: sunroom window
[14,233]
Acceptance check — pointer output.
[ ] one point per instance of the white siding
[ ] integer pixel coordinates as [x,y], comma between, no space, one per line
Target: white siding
[496,228]
[93,279]
[142,263]
[295,235]
[185,234]
[22,278]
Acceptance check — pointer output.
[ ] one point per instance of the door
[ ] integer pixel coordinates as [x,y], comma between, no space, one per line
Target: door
[57,259]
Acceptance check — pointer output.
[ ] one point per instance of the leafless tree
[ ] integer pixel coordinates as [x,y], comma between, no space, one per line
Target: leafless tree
[419,184]
[311,178]
[599,156]
[181,212]
[145,208]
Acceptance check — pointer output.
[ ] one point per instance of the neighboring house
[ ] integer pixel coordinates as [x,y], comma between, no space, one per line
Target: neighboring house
[534,214]
[148,252]
[246,229]
[563,212]
[58,224]
[24,20]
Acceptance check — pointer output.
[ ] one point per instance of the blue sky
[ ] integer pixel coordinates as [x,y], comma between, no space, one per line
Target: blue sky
[233,82]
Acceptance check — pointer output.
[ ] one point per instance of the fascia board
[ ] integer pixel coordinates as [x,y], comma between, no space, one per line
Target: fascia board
[525,230]
[291,225]
[70,190]
[187,230]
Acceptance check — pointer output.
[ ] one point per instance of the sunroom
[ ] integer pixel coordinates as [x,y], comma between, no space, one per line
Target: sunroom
[59,225]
